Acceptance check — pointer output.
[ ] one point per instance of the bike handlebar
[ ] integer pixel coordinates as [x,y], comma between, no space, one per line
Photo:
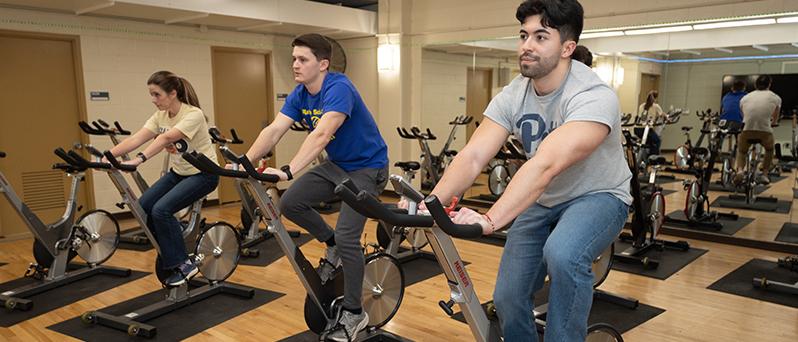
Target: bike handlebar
[116,164]
[202,163]
[368,205]
[463,231]
[250,169]
[462,120]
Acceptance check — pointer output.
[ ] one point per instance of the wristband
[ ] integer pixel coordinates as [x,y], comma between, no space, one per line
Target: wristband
[492,225]
[287,170]
[141,156]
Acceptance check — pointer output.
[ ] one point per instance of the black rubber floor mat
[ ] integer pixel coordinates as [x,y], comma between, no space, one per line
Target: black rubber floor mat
[174,326]
[670,261]
[62,296]
[730,227]
[269,251]
[141,247]
[720,187]
[376,336]
[740,282]
[788,233]
[781,207]
[620,317]
[794,193]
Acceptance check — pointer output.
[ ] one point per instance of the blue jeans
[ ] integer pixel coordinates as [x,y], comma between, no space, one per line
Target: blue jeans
[166,197]
[584,227]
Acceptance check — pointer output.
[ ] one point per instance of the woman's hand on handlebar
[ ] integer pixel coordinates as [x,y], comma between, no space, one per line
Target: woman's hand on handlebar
[135,161]
[468,216]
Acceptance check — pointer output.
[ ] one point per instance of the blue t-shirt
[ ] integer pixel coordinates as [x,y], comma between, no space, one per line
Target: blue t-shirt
[357,144]
[730,106]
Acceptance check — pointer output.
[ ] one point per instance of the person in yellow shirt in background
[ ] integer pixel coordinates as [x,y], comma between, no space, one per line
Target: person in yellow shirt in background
[178,126]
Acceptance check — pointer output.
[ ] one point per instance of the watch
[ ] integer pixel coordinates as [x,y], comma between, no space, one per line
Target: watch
[142,156]
[287,170]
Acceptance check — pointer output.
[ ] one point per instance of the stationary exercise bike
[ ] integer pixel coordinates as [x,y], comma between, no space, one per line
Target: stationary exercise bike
[439,230]
[649,211]
[697,212]
[383,282]
[215,252]
[504,166]
[433,164]
[251,215]
[390,238]
[101,128]
[93,237]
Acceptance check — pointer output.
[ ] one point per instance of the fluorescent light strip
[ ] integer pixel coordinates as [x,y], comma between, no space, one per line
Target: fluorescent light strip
[659,30]
[738,23]
[794,44]
[601,34]
[724,50]
[717,59]
[760,47]
[787,20]
[691,52]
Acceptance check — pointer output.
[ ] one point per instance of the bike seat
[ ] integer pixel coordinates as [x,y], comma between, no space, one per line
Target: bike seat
[656,159]
[686,128]
[450,153]
[408,166]
[754,141]
[700,151]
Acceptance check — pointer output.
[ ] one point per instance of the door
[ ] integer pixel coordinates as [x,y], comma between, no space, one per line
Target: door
[242,100]
[648,82]
[40,106]
[478,95]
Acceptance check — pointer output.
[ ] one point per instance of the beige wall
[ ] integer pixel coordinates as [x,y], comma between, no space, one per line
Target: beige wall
[444,83]
[119,55]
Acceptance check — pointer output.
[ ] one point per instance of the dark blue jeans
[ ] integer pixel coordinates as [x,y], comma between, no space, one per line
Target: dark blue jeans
[166,197]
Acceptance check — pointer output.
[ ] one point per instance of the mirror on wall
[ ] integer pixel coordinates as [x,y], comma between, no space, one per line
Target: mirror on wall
[692,82]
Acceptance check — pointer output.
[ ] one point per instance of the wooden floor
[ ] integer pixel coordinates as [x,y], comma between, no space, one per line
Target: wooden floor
[693,313]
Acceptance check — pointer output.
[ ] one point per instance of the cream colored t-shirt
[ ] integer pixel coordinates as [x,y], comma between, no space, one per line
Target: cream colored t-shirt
[653,114]
[191,122]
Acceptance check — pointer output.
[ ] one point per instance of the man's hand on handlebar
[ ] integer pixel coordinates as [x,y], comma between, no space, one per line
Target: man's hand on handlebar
[270,170]
[170,148]
[468,216]
[404,204]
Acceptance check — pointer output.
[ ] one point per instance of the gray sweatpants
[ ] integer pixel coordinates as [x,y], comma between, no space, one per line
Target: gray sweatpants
[316,186]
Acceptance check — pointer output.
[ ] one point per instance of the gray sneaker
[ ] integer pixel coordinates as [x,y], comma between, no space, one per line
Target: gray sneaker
[763,179]
[328,264]
[348,326]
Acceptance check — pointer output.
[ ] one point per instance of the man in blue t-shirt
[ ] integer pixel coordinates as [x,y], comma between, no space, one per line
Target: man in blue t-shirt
[340,124]
[730,104]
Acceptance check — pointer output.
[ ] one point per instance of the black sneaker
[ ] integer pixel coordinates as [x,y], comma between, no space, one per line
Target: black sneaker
[183,273]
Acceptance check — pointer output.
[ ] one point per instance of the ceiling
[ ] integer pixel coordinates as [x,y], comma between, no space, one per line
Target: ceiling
[254,21]
[369,5]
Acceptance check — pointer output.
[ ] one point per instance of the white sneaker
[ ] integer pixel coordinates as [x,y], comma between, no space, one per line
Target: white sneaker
[348,326]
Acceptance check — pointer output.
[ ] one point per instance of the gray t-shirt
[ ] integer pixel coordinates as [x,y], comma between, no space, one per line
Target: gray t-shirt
[581,97]
[758,107]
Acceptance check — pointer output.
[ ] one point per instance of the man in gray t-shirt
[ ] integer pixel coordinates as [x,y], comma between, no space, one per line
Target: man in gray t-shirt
[760,110]
[575,181]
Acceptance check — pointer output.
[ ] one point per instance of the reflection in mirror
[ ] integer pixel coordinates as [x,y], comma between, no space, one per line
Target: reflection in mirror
[699,80]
